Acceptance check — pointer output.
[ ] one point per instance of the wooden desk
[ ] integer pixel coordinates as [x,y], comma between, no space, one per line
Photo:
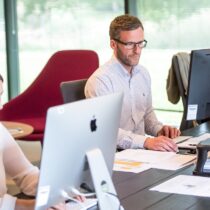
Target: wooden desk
[133,189]
[18,130]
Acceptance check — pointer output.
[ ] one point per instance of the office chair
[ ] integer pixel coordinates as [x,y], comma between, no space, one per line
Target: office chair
[179,87]
[73,90]
[31,106]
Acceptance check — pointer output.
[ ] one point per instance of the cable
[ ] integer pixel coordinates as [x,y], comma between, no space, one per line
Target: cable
[115,196]
[77,192]
[105,189]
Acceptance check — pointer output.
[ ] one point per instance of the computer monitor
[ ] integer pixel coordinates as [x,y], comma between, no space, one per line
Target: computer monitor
[198,99]
[71,131]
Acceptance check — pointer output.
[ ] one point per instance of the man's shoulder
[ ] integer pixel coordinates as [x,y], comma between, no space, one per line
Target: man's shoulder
[99,75]
[105,70]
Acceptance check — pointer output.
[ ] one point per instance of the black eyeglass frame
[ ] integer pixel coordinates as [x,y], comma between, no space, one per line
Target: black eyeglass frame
[132,45]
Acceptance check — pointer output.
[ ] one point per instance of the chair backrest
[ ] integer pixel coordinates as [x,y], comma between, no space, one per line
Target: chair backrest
[31,106]
[177,70]
[73,90]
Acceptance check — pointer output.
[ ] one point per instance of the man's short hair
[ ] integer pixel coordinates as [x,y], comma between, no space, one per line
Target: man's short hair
[123,23]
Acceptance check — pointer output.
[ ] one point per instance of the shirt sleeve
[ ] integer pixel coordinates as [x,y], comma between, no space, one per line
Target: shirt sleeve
[7,202]
[152,125]
[17,166]
[98,86]
[130,140]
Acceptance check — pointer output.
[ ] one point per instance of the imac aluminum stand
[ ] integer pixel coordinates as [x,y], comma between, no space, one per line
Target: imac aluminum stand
[105,191]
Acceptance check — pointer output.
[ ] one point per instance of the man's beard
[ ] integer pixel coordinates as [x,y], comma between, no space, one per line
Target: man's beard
[130,61]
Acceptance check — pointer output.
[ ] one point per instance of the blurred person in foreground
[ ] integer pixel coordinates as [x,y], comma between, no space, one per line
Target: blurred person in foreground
[14,163]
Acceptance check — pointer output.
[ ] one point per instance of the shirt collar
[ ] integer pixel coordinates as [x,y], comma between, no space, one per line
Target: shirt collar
[122,69]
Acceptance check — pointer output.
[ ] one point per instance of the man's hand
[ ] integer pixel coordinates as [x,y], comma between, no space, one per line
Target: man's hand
[160,143]
[169,132]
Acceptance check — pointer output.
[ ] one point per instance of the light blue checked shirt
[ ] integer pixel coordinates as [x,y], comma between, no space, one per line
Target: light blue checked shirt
[138,117]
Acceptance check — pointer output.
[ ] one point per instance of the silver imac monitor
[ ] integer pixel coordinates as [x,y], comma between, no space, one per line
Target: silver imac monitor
[71,131]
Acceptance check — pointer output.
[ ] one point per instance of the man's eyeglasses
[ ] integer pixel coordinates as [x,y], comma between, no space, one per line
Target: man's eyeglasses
[132,45]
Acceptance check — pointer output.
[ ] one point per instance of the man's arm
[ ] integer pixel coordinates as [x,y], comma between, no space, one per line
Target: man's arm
[130,140]
[153,126]
[161,143]
[127,140]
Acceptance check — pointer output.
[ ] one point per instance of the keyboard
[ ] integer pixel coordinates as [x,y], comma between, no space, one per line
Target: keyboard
[88,203]
[191,143]
[181,139]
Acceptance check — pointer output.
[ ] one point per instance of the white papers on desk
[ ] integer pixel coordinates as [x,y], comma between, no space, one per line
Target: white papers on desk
[191,143]
[130,166]
[142,155]
[175,162]
[187,185]
[152,159]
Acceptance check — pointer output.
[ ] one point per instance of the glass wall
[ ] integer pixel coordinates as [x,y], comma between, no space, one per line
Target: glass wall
[3,51]
[48,26]
[171,27]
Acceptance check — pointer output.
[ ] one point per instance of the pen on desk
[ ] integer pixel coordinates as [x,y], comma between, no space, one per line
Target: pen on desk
[192,144]
[183,140]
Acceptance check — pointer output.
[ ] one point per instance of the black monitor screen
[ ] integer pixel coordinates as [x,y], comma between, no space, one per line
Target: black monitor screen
[198,100]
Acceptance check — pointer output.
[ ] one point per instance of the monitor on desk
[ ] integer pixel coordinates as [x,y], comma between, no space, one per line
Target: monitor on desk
[198,100]
[71,131]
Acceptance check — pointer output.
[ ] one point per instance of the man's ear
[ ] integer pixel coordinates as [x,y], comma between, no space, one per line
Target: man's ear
[112,44]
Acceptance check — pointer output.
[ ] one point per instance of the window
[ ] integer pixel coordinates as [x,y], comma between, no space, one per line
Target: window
[49,26]
[3,51]
[171,27]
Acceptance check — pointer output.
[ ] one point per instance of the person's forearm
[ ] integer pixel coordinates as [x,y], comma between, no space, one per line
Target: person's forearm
[130,140]
[24,204]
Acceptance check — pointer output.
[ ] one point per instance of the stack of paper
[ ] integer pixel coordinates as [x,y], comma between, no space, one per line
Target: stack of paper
[188,185]
[137,160]
[130,166]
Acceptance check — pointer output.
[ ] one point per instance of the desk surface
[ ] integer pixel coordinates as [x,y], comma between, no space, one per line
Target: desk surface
[133,189]
[18,130]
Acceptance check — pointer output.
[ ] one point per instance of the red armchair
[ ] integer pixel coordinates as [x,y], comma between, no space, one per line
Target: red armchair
[31,106]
